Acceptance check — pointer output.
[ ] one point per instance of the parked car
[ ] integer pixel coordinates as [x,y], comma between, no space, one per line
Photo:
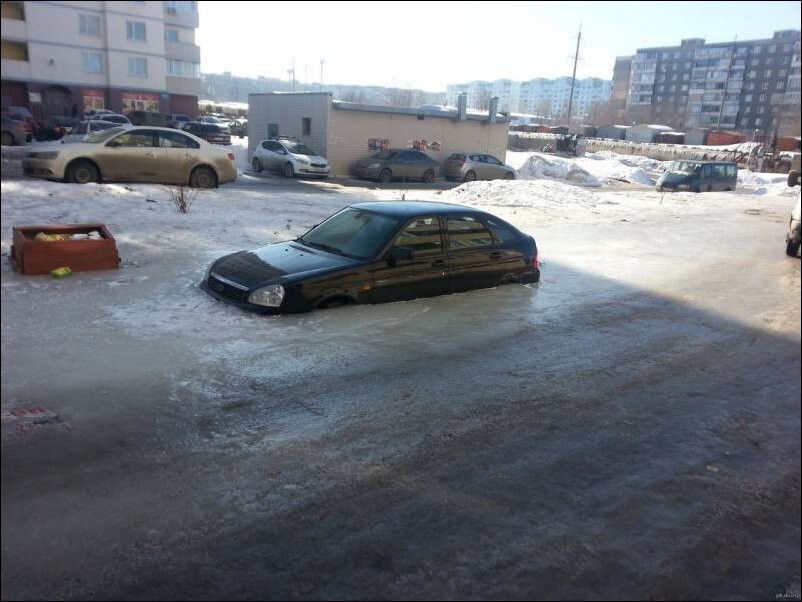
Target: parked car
[290,158]
[476,166]
[54,127]
[97,113]
[135,154]
[24,115]
[699,176]
[793,237]
[222,123]
[114,118]
[239,127]
[376,252]
[13,132]
[178,120]
[392,164]
[210,132]
[148,118]
[81,131]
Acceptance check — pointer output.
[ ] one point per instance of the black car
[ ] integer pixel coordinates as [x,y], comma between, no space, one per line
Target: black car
[376,252]
[148,118]
[213,134]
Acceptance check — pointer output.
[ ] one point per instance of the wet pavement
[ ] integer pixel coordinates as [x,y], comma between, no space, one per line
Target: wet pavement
[629,428]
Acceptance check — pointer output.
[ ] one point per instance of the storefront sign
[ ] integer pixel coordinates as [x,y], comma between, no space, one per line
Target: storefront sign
[138,101]
[34,97]
[94,100]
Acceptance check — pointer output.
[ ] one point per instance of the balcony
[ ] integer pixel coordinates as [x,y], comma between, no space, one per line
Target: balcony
[14,29]
[15,69]
[184,18]
[183,85]
[182,52]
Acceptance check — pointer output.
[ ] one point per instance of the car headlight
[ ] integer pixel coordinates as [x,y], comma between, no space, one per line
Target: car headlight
[269,296]
[44,155]
[374,166]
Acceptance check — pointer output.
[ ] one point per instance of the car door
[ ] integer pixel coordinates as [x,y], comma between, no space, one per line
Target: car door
[706,178]
[179,154]
[402,165]
[131,157]
[425,275]
[494,168]
[274,155]
[472,254]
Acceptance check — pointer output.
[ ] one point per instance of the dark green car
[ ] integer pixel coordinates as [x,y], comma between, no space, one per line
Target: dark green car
[699,176]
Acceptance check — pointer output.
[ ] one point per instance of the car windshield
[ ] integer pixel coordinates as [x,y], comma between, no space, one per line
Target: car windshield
[301,149]
[96,137]
[384,155]
[686,167]
[353,233]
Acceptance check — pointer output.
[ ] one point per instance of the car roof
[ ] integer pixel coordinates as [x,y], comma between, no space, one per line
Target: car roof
[413,208]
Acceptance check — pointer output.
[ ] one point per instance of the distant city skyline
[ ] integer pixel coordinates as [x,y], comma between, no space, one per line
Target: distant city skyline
[409,47]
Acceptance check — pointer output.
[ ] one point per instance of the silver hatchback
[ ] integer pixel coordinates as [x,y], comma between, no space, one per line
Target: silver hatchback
[476,166]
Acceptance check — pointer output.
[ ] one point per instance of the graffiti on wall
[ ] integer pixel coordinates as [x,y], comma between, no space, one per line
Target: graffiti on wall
[378,144]
[423,145]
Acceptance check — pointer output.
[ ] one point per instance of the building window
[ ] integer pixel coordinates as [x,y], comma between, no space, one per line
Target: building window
[182,68]
[135,30]
[773,48]
[770,60]
[171,35]
[748,98]
[272,130]
[171,7]
[14,51]
[781,73]
[92,62]
[89,25]
[137,67]
[780,85]
[758,121]
[757,50]
[306,126]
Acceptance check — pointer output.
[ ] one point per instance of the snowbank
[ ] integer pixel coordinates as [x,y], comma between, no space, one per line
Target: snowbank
[552,167]
[764,183]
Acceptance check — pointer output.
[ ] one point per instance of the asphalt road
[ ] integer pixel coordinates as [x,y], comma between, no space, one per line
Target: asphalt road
[627,429]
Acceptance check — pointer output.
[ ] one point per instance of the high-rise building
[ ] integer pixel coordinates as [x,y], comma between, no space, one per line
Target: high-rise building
[62,58]
[545,97]
[744,84]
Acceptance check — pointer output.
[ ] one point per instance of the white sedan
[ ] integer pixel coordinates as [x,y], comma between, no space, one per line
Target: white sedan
[290,158]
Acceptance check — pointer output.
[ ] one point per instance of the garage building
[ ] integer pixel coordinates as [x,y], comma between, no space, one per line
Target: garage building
[346,132]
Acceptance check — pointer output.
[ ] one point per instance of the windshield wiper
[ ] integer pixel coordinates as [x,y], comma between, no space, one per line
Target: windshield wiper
[321,246]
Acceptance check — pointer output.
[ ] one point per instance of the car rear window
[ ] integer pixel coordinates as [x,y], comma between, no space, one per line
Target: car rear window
[457,157]
[467,232]
[210,128]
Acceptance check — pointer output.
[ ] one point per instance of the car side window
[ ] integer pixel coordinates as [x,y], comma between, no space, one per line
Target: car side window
[403,157]
[503,231]
[176,140]
[706,171]
[135,139]
[476,158]
[492,160]
[466,232]
[719,172]
[732,171]
[266,145]
[423,235]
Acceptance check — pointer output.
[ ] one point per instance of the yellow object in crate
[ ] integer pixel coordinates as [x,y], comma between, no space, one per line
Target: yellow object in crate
[50,237]
[61,272]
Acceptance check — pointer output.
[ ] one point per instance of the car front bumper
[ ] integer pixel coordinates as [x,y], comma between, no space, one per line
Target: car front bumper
[313,171]
[42,168]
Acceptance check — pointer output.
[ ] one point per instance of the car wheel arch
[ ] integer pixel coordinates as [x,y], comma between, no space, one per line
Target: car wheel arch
[92,162]
[207,165]
[334,299]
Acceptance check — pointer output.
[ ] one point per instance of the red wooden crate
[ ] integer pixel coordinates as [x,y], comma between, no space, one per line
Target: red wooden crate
[30,256]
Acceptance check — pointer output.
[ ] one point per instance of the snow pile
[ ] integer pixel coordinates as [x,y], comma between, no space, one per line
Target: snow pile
[608,169]
[552,167]
[764,183]
[644,163]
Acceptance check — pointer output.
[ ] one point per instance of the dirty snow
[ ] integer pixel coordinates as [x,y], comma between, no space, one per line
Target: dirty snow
[554,167]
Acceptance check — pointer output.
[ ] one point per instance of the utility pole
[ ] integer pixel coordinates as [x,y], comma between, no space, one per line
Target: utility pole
[322,61]
[306,76]
[573,76]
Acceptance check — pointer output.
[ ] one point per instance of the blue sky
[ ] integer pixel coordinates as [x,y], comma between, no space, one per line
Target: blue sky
[430,44]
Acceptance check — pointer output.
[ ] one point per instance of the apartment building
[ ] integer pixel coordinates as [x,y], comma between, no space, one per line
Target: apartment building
[540,96]
[63,58]
[744,84]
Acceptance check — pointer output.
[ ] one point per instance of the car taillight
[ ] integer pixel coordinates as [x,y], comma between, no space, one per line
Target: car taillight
[536,262]
[231,156]
[462,160]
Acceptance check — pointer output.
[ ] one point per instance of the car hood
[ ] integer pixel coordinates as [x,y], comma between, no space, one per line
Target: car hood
[311,158]
[270,263]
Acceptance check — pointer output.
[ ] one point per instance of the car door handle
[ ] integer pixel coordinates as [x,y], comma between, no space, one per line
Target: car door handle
[439,263]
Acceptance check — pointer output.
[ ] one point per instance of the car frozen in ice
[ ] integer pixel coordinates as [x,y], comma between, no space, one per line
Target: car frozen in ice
[376,252]
[793,237]
[134,154]
[290,158]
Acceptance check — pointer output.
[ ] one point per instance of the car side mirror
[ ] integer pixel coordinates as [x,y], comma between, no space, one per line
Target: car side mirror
[401,254]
